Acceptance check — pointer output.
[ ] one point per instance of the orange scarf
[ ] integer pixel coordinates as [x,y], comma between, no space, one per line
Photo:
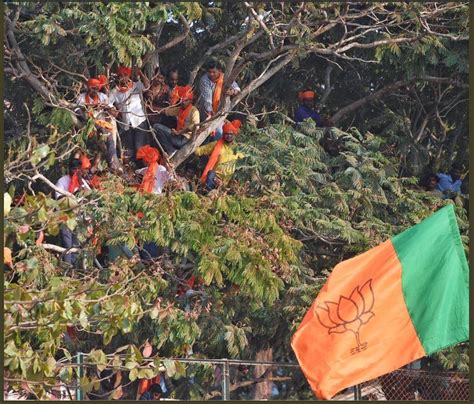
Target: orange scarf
[213,158]
[145,384]
[174,96]
[183,114]
[150,156]
[95,100]
[74,184]
[216,96]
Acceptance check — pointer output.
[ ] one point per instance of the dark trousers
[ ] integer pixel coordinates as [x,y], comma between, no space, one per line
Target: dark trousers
[168,141]
[68,240]
[150,251]
[211,180]
[134,138]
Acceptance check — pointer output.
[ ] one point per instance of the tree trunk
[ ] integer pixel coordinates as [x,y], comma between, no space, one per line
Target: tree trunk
[263,390]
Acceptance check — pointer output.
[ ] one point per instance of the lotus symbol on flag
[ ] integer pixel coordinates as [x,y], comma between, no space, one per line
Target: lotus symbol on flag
[349,314]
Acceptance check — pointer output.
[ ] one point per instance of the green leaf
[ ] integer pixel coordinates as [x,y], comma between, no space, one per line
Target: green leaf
[131,365]
[39,153]
[10,348]
[42,215]
[50,366]
[71,223]
[133,374]
[170,367]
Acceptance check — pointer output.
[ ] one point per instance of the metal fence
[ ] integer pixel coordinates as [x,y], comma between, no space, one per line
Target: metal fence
[412,385]
[228,379]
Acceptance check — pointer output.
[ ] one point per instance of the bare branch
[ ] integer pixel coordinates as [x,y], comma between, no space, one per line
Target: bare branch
[221,45]
[327,84]
[178,39]
[388,89]
[259,20]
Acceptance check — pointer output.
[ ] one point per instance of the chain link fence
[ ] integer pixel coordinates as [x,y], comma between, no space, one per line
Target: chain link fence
[226,379]
[412,385]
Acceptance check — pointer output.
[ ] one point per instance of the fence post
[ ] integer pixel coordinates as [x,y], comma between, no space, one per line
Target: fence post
[226,381]
[357,393]
[80,374]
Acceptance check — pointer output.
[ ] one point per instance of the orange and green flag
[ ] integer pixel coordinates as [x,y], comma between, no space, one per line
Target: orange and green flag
[400,301]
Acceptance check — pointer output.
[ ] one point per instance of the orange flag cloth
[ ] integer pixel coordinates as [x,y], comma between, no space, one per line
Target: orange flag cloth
[150,156]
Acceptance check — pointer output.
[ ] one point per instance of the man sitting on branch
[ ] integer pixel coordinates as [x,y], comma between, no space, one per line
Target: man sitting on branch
[222,160]
[187,119]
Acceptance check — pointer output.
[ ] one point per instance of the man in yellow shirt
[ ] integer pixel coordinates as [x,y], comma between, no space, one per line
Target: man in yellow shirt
[188,117]
[222,157]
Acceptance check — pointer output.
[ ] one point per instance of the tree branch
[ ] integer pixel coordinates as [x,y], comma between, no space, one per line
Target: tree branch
[327,84]
[389,88]
[259,20]
[175,41]
[229,41]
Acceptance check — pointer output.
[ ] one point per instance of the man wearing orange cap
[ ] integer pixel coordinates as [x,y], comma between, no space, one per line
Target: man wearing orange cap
[222,157]
[127,97]
[98,105]
[155,176]
[306,109]
[187,116]
[93,97]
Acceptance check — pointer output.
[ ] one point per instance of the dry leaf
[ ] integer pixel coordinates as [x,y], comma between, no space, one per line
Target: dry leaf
[147,350]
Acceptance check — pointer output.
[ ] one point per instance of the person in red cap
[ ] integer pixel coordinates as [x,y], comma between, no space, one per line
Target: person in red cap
[127,97]
[96,104]
[222,157]
[93,96]
[306,109]
[187,118]
[155,176]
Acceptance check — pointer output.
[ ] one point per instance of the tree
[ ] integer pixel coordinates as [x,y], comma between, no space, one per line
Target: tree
[302,200]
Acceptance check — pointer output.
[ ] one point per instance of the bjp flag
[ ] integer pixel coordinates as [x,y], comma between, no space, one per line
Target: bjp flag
[400,301]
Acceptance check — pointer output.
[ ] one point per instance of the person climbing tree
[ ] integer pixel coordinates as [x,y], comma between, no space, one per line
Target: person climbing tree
[306,109]
[127,97]
[210,93]
[221,164]
[155,175]
[96,104]
[187,119]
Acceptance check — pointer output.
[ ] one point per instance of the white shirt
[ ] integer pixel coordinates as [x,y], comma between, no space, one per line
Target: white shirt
[161,178]
[63,184]
[130,105]
[103,99]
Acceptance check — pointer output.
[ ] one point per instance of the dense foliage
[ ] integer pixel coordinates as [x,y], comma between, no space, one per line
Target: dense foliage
[302,200]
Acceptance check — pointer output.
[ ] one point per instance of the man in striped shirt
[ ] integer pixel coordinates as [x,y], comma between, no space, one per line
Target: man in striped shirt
[210,92]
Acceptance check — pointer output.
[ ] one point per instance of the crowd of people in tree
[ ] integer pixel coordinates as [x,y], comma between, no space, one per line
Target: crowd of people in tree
[139,124]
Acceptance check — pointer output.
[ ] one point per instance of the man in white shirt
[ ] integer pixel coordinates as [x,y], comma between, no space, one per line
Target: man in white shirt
[72,182]
[127,97]
[99,107]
